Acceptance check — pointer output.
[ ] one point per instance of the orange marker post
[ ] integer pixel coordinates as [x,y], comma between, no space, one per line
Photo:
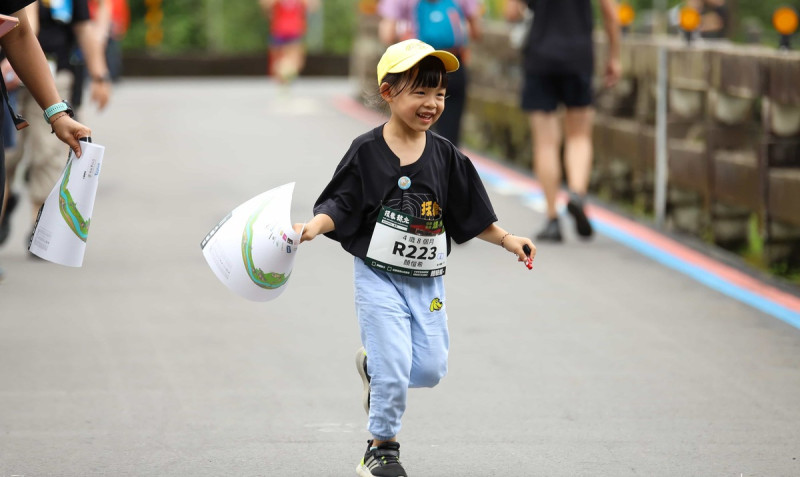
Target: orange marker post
[689,20]
[626,15]
[785,22]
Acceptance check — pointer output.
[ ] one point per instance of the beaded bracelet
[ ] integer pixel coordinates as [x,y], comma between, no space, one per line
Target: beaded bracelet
[504,239]
[56,118]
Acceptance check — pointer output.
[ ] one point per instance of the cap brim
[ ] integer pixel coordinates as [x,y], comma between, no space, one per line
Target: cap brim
[450,61]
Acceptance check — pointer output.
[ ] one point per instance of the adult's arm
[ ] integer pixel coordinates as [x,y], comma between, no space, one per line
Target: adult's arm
[32,11]
[102,20]
[475,23]
[611,24]
[387,31]
[93,50]
[26,57]
[266,7]
[514,10]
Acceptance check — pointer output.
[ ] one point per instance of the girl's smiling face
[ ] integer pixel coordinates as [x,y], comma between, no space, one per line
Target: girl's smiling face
[418,108]
[416,97]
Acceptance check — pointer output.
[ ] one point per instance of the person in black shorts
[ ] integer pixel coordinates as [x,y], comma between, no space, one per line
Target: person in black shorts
[558,64]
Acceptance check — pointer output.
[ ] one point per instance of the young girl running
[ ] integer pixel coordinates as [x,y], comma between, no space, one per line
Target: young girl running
[397,198]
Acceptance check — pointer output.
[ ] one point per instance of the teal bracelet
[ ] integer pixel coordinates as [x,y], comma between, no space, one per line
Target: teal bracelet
[56,108]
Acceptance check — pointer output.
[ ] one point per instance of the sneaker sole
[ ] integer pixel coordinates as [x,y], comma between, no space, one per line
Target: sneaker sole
[549,238]
[582,224]
[362,471]
[360,357]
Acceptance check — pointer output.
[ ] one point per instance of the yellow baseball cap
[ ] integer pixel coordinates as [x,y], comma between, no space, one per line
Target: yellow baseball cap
[404,55]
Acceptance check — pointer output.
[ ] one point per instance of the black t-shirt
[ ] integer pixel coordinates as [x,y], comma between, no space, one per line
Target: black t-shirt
[7,7]
[444,184]
[57,38]
[560,40]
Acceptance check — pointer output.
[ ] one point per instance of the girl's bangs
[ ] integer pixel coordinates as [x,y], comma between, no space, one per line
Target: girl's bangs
[430,73]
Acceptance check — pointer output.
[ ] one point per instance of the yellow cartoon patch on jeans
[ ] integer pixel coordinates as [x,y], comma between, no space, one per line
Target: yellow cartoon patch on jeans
[436,305]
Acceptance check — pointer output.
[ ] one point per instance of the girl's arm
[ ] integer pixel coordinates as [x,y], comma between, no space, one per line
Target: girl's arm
[496,235]
[320,224]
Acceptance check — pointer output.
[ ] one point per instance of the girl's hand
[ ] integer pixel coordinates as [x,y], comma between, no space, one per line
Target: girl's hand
[320,224]
[516,245]
[307,231]
[69,131]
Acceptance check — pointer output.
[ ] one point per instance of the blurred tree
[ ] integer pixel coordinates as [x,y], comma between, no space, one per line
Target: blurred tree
[239,26]
[340,20]
[217,25]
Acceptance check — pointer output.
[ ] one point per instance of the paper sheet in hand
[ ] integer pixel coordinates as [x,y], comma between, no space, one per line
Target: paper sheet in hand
[62,227]
[252,249]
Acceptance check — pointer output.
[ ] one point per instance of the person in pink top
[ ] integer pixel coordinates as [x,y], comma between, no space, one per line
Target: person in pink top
[287,52]
[445,25]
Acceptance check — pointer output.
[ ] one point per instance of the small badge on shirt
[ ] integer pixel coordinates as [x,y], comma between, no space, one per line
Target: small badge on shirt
[404,182]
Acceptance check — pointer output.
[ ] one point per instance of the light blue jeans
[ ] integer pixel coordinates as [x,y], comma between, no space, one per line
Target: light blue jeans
[403,324]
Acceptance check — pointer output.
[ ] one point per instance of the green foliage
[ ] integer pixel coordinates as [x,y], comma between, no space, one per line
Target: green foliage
[223,26]
[340,23]
[184,26]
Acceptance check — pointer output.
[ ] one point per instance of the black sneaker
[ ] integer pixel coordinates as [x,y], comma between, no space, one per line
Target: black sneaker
[5,225]
[383,461]
[551,232]
[575,208]
[361,365]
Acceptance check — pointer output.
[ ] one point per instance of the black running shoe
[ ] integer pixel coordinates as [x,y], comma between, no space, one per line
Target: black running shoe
[361,365]
[5,225]
[575,208]
[383,461]
[551,232]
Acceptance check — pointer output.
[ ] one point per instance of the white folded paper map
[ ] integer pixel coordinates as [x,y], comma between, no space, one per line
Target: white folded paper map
[252,249]
[62,227]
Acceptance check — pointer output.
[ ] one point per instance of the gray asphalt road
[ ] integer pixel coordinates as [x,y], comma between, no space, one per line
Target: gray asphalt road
[599,362]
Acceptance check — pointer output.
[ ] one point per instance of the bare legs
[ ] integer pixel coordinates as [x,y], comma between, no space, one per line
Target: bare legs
[288,61]
[546,132]
[578,148]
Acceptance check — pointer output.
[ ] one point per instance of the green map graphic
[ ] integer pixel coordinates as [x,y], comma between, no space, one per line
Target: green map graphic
[69,210]
[270,280]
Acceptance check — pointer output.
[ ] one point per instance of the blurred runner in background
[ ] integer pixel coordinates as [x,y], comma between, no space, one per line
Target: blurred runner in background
[287,50]
[445,25]
[559,64]
[111,19]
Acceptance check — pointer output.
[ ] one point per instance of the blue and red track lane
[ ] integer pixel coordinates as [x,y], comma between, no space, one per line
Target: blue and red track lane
[671,253]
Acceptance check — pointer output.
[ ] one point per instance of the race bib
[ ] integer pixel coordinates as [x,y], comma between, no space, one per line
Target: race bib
[408,245]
